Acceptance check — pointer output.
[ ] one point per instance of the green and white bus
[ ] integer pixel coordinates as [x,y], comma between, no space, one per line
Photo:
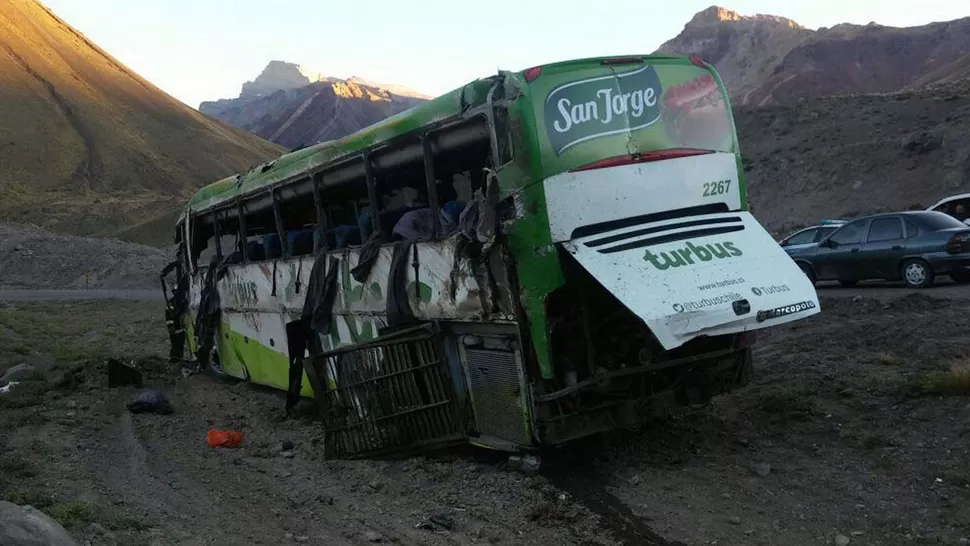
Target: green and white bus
[529,259]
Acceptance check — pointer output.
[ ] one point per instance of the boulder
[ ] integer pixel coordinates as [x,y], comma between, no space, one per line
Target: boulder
[27,526]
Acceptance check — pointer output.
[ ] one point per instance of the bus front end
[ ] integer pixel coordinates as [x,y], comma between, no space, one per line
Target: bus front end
[663,275]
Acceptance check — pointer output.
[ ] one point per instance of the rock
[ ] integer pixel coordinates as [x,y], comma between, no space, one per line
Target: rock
[27,526]
[856,299]
[287,454]
[150,400]
[528,464]
[373,536]
[761,469]
[734,520]
[20,372]
[121,374]
[842,540]
[922,142]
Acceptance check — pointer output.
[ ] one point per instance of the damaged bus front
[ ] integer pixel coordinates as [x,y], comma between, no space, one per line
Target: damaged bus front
[529,259]
[655,271]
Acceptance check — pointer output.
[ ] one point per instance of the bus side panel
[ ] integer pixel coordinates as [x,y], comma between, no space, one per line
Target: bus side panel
[256,348]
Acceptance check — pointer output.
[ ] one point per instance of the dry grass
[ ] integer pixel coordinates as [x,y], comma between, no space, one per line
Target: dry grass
[954,381]
[889,359]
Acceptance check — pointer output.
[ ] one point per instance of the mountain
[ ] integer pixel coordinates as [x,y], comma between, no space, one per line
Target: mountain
[292,106]
[844,156]
[89,147]
[765,59]
[746,50]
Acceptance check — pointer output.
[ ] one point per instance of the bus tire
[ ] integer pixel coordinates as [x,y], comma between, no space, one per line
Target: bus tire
[214,366]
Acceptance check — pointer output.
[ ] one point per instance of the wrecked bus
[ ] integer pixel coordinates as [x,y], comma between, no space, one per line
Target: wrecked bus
[532,258]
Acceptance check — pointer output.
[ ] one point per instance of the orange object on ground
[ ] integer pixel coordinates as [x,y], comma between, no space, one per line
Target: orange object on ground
[223,438]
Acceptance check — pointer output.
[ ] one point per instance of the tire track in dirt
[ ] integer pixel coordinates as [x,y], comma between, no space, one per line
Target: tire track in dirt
[90,169]
[571,470]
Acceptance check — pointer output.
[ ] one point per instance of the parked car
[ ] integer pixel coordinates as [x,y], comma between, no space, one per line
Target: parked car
[913,246]
[810,235]
[957,206]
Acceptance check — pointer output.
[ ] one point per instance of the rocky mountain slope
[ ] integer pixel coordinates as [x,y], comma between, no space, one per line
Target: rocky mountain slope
[89,147]
[839,157]
[32,258]
[294,107]
[766,59]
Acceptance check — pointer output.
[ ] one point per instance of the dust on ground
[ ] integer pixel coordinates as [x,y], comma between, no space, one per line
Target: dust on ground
[32,258]
[857,426]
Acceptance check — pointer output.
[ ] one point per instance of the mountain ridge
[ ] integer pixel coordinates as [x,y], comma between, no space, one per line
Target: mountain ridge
[765,59]
[293,110]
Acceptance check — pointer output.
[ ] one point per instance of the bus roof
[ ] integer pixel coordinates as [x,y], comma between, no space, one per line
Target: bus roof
[449,106]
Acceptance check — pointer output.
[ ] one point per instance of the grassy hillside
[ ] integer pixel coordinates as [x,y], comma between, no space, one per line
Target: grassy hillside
[89,147]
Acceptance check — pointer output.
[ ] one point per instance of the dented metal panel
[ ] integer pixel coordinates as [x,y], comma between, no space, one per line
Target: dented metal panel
[442,289]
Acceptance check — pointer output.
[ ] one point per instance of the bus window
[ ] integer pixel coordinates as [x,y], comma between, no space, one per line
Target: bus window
[348,214]
[229,239]
[405,208]
[299,219]
[260,225]
[203,240]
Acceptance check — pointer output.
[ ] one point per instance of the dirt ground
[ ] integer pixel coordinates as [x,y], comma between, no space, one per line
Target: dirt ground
[857,426]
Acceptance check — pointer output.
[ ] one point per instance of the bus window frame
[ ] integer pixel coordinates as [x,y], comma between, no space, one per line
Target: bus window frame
[375,203]
[430,182]
[278,219]
[322,218]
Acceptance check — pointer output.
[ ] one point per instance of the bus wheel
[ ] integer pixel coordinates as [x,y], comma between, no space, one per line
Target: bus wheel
[215,364]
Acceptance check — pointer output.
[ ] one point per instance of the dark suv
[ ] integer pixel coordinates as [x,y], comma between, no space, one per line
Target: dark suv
[913,246]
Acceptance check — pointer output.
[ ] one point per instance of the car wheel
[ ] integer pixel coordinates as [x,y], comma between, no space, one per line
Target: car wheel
[917,274]
[807,270]
[848,284]
[960,276]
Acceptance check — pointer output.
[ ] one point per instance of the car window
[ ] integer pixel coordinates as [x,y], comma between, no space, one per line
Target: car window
[912,230]
[885,229]
[850,233]
[936,221]
[802,237]
[824,232]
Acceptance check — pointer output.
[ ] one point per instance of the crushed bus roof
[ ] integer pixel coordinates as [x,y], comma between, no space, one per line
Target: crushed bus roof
[449,106]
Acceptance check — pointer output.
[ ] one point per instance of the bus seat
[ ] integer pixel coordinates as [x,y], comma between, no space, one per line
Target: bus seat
[345,235]
[364,225]
[272,246]
[300,242]
[390,218]
[254,251]
[453,209]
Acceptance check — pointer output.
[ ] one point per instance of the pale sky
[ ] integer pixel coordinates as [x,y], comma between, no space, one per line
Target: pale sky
[200,50]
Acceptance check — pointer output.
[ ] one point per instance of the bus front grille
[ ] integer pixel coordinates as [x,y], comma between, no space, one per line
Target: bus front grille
[501,410]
